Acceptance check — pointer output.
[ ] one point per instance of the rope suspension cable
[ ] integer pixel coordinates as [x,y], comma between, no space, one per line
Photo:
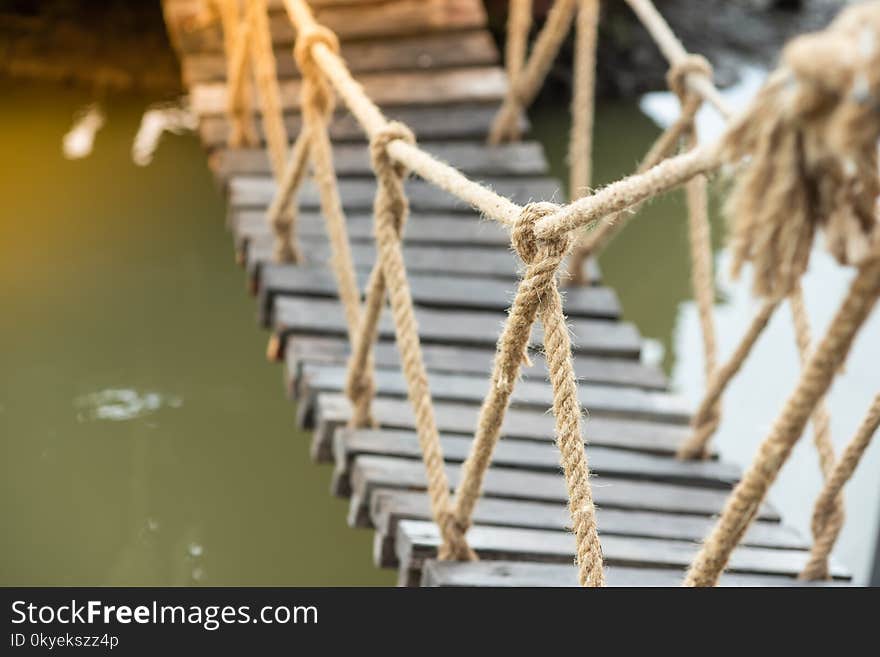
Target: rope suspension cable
[519,24]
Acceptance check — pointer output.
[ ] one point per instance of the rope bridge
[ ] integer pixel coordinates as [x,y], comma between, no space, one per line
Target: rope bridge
[804,155]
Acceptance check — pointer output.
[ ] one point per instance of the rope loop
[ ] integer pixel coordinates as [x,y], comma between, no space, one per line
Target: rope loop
[691,64]
[390,173]
[317,91]
[529,246]
[392,131]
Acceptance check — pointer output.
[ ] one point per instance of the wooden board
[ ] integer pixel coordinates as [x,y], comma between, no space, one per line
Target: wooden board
[484,84]
[333,411]
[359,194]
[348,444]
[388,507]
[471,157]
[324,317]
[349,21]
[418,541]
[451,121]
[430,291]
[518,573]
[461,261]
[598,400]
[399,53]
[370,473]
[302,350]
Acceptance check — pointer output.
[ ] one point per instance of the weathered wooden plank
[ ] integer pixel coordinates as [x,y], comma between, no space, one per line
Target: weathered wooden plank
[520,573]
[461,261]
[359,194]
[430,291]
[324,317]
[483,84]
[451,121]
[388,507]
[400,53]
[370,473]
[604,401]
[471,157]
[418,541]
[333,411]
[349,21]
[444,229]
[302,350]
[348,444]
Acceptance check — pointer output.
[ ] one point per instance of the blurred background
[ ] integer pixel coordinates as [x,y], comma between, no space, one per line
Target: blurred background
[146,439]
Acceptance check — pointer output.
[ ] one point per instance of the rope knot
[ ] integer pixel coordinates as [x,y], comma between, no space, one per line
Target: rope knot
[392,131]
[454,532]
[529,246]
[317,92]
[676,77]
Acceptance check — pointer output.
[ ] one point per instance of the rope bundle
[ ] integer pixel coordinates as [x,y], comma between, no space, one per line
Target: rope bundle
[811,141]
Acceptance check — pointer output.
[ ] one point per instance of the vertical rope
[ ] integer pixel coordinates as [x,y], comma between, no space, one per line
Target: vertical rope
[519,23]
[236,30]
[815,379]
[521,94]
[827,518]
[538,294]
[824,534]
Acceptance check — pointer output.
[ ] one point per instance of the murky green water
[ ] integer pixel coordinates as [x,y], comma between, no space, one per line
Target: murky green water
[121,299]
[146,440]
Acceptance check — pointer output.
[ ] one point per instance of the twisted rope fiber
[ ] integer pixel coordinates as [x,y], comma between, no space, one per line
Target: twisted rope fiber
[827,526]
[522,91]
[242,130]
[390,214]
[825,513]
[580,138]
[538,295]
[811,138]
[519,23]
[390,198]
[815,379]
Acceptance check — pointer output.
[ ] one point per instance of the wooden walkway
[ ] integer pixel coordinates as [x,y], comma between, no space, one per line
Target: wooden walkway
[432,64]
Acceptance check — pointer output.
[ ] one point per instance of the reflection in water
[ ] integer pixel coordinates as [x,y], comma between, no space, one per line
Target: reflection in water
[121,404]
[159,118]
[78,142]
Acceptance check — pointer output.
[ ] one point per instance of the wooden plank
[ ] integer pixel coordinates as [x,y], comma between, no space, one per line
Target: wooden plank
[359,194]
[472,157]
[352,21]
[302,350]
[418,541]
[451,121]
[520,573]
[483,84]
[324,317]
[444,229]
[333,411]
[348,444]
[598,400]
[462,261]
[400,53]
[370,473]
[430,291]
[388,507]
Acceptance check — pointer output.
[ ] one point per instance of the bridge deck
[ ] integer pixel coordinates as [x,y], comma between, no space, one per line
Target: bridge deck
[432,64]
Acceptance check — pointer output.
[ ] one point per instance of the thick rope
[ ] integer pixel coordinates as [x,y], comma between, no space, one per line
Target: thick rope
[816,377]
[538,295]
[390,215]
[523,90]
[824,532]
[826,511]
[242,130]
[390,198]
[519,24]
[263,58]
[705,420]
[810,138]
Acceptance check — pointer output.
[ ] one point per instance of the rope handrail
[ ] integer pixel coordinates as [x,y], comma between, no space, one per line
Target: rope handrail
[542,234]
